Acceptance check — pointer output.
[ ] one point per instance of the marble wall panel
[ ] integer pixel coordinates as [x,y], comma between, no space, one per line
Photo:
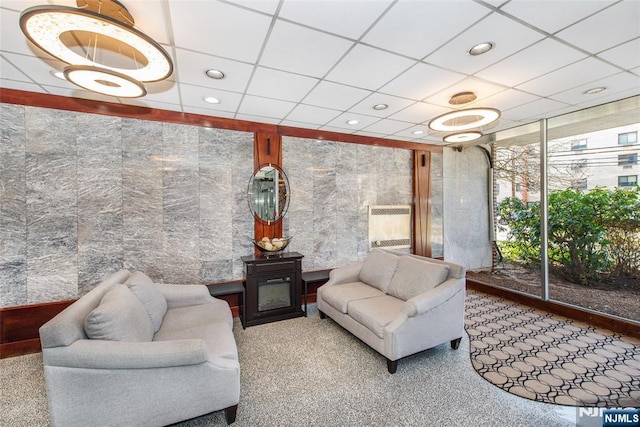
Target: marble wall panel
[437,208]
[465,207]
[51,204]
[99,176]
[13,211]
[330,224]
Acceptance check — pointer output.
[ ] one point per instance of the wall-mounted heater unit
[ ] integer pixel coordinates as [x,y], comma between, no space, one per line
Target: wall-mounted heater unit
[390,226]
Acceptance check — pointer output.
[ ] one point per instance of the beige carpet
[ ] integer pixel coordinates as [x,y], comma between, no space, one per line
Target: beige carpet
[549,358]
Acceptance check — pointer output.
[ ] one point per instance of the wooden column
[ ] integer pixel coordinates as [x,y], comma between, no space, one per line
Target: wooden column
[267,149]
[422,203]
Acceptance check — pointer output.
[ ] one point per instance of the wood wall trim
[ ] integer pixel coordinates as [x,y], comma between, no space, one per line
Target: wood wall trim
[622,326]
[422,203]
[32,99]
[267,149]
[19,326]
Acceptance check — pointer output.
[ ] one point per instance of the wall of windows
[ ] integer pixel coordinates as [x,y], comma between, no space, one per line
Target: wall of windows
[584,248]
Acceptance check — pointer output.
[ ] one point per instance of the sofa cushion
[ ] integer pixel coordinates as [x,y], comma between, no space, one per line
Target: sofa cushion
[339,296]
[211,322]
[375,313]
[153,301]
[120,316]
[414,276]
[378,269]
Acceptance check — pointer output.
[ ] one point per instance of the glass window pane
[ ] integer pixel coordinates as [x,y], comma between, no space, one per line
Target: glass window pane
[594,206]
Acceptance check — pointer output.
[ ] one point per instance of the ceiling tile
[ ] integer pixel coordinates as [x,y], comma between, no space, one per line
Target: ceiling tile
[622,18]
[231,32]
[553,15]
[11,72]
[75,92]
[420,81]
[417,28]
[165,91]
[368,68]
[149,17]
[295,124]
[388,127]
[371,134]
[193,96]
[409,132]
[289,49]
[192,67]
[310,114]
[616,83]
[419,112]
[349,18]
[37,69]
[266,107]
[539,59]
[612,97]
[280,85]
[334,95]
[363,121]
[533,110]
[209,112]
[509,98]
[576,74]
[481,88]
[626,55]
[11,37]
[12,84]
[258,119]
[336,129]
[508,37]
[266,6]
[394,104]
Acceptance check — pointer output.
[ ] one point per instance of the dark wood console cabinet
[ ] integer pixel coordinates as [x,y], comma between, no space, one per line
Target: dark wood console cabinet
[273,286]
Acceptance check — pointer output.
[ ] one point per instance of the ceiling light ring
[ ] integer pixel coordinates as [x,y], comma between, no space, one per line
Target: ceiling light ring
[117,84]
[48,39]
[462,136]
[488,115]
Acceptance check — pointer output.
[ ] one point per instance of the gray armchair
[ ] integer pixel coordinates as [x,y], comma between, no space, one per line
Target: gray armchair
[138,373]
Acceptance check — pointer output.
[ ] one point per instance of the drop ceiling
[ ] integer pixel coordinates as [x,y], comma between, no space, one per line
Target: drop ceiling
[317,64]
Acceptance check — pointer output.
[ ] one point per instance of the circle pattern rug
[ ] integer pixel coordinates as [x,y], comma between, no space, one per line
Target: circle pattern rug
[549,358]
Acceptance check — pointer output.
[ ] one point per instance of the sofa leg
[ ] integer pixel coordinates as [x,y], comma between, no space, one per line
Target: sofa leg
[230,414]
[322,315]
[456,343]
[392,366]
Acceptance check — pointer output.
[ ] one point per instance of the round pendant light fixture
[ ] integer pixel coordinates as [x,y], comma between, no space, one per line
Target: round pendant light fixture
[462,136]
[104,81]
[99,34]
[461,120]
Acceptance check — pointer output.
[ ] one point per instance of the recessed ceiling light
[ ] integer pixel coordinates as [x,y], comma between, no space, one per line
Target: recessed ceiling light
[595,90]
[215,74]
[352,122]
[462,136]
[481,48]
[380,107]
[58,74]
[212,100]
[460,120]
[418,132]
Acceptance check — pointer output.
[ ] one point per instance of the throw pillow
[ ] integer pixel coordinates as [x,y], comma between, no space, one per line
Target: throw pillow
[138,277]
[153,301]
[414,276]
[378,269]
[119,317]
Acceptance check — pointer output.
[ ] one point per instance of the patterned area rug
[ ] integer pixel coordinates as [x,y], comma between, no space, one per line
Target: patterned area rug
[549,358]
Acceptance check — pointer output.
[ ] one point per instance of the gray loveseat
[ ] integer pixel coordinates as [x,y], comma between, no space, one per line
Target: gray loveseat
[398,304]
[131,352]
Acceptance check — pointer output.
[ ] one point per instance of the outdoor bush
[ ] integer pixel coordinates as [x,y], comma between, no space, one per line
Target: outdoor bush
[589,232]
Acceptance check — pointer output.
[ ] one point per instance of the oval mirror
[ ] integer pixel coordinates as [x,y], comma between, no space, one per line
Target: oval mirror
[268,193]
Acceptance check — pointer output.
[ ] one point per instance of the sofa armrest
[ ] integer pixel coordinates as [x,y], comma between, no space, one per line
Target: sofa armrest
[184,295]
[347,274]
[433,298]
[101,354]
